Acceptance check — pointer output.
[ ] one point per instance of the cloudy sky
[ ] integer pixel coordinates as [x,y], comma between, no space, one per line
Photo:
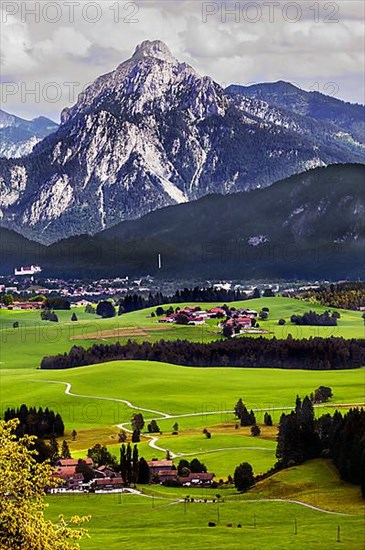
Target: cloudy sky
[51,50]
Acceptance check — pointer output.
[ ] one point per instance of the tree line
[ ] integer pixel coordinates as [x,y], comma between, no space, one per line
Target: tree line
[134,302]
[43,423]
[349,295]
[311,354]
[340,437]
[312,318]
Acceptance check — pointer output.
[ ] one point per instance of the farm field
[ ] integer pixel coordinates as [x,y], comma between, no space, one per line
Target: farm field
[35,338]
[161,519]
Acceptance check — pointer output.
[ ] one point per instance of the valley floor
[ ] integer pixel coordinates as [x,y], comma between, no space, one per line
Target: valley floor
[286,517]
[97,401]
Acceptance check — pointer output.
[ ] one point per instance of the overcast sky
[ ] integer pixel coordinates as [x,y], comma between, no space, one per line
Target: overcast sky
[64,45]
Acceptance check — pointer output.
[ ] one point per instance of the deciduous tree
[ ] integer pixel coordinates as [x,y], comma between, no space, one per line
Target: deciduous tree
[243,477]
[22,488]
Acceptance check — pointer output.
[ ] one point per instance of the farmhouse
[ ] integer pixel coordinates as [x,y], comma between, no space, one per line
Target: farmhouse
[244,322]
[240,320]
[72,479]
[73,462]
[107,484]
[202,480]
[81,303]
[66,470]
[251,312]
[197,321]
[167,476]
[106,472]
[26,305]
[217,312]
[157,465]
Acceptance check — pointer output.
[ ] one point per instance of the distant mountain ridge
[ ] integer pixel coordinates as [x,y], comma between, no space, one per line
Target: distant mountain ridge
[347,117]
[155,133]
[18,136]
[307,226]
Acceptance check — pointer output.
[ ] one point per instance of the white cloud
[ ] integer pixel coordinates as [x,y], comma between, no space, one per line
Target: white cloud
[65,41]
[15,48]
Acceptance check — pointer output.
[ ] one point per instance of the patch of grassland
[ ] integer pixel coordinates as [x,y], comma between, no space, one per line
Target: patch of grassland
[130,521]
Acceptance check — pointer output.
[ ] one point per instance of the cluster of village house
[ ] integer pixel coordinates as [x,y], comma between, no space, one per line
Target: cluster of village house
[23,305]
[39,305]
[242,318]
[107,480]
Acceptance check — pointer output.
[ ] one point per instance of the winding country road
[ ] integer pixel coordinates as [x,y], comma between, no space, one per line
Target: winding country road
[300,504]
[163,416]
[100,398]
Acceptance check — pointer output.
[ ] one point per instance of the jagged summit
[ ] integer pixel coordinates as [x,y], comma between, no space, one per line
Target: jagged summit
[153,48]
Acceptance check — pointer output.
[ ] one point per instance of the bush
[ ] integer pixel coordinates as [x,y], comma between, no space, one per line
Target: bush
[267,419]
[255,430]
[322,394]
[263,315]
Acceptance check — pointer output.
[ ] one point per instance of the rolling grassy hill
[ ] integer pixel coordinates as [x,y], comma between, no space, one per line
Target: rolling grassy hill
[102,396]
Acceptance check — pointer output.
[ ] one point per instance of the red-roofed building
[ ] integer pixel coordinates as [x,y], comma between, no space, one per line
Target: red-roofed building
[196,321]
[73,461]
[106,472]
[73,481]
[244,322]
[156,465]
[107,483]
[167,476]
[217,312]
[201,479]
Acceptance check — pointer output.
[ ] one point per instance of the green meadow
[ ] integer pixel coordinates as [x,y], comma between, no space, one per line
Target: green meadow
[165,389]
[268,517]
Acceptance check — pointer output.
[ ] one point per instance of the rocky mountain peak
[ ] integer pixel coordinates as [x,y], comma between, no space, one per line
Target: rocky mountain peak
[153,48]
